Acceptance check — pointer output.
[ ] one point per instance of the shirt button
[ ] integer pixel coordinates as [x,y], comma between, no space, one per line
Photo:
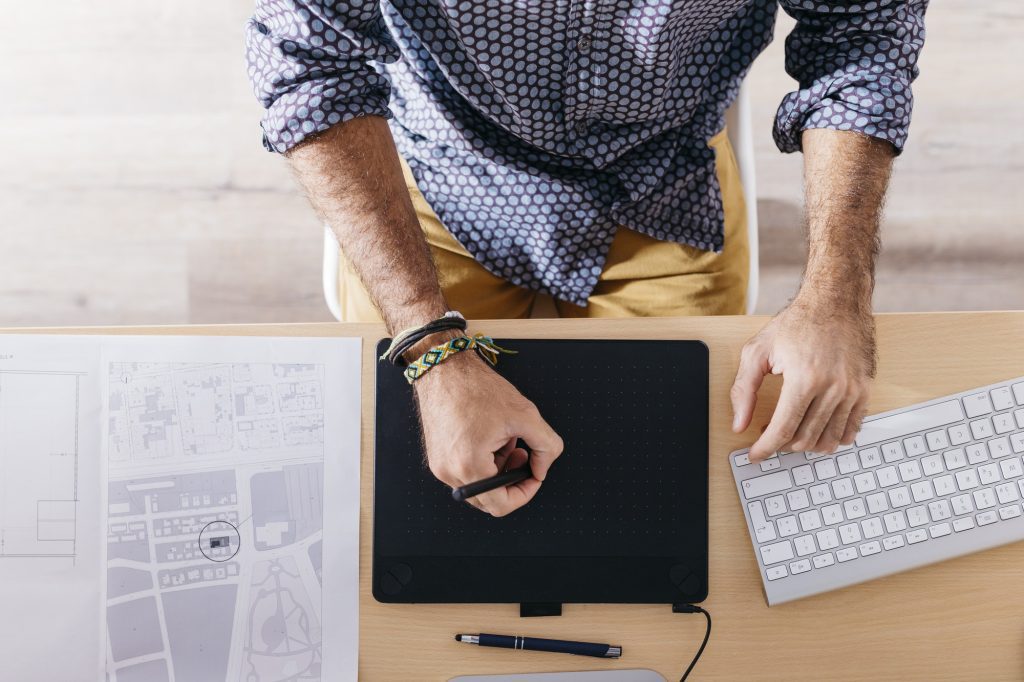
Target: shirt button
[584,43]
[582,128]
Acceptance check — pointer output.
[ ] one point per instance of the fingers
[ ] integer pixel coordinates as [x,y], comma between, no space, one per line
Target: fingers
[817,419]
[751,372]
[854,422]
[545,444]
[833,432]
[789,413]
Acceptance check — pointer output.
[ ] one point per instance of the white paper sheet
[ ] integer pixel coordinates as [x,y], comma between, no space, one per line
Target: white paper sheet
[222,544]
[50,515]
[221,552]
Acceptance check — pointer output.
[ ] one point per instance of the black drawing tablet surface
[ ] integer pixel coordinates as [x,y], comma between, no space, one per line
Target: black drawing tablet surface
[622,516]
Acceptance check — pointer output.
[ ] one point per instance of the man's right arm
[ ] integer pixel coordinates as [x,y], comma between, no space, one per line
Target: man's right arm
[471,416]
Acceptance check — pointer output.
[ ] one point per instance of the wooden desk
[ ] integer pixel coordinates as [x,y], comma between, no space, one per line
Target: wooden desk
[958,620]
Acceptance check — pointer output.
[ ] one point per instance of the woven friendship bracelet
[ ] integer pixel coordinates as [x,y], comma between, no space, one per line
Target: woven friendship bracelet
[483,345]
[407,338]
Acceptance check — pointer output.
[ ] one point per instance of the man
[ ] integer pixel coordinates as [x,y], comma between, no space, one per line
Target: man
[575,148]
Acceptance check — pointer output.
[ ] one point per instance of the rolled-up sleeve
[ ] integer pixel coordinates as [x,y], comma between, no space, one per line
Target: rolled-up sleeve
[310,64]
[854,62]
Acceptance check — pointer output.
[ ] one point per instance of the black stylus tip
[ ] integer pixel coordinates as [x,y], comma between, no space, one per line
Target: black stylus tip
[458,638]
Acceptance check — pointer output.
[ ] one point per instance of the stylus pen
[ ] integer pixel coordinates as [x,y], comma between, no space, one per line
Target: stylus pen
[558,646]
[510,477]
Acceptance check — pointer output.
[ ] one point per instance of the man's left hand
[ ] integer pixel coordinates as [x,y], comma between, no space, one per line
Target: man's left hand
[827,359]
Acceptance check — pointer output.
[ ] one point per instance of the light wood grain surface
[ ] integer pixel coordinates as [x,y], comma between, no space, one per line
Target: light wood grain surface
[959,620]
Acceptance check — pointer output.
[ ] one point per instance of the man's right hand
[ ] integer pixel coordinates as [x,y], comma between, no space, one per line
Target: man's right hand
[472,418]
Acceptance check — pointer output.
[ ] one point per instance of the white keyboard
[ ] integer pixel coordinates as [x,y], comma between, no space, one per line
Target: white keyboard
[921,484]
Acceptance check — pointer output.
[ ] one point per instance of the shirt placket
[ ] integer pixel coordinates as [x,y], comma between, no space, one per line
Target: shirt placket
[588,69]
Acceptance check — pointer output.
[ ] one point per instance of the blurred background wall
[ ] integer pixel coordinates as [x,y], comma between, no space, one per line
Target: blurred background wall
[134,189]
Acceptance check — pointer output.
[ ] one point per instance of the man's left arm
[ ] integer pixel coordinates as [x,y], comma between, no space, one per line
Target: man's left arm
[854,62]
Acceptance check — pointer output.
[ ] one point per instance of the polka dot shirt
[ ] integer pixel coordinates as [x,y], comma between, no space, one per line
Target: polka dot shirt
[535,128]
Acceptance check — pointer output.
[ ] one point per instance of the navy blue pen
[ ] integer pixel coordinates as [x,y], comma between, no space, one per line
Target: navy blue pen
[558,646]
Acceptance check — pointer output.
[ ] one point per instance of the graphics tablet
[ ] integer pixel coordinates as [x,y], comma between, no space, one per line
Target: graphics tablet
[622,516]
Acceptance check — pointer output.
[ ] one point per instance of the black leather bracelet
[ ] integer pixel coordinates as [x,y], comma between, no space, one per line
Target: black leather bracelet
[410,337]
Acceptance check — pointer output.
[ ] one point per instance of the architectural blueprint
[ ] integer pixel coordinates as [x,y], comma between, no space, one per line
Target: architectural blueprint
[50,514]
[216,545]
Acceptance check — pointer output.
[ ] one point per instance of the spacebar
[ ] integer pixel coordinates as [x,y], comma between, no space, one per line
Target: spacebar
[911,421]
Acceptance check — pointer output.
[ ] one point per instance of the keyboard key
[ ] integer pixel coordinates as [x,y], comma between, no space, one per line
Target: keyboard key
[982,428]
[828,538]
[892,452]
[787,526]
[1007,493]
[825,469]
[909,470]
[984,498]
[842,488]
[870,457]
[820,494]
[922,491]
[798,567]
[810,520]
[939,510]
[1017,442]
[832,514]
[1010,512]
[893,542]
[958,434]
[854,508]
[803,475]
[798,499]
[1003,423]
[741,460]
[766,485]
[804,545]
[963,524]
[967,479]
[887,476]
[846,554]
[999,447]
[895,522]
[918,516]
[944,485]
[773,554]
[1018,393]
[877,503]
[899,497]
[869,548]
[771,464]
[916,536]
[776,505]
[850,533]
[932,465]
[986,518]
[914,446]
[1019,416]
[775,572]
[764,530]
[954,459]
[988,474]
[865,482]
[1011,467]
[847,463]
[937,440]
[962,504]
[823,560]
[977,453]
[921,419]
[977,404]
[940,529]
[1002,398]
[871,528]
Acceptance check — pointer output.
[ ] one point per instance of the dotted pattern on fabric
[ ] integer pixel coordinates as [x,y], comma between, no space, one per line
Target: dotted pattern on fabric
[535,129]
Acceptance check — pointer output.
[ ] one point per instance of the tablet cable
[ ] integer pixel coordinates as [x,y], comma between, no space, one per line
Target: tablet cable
[693,608]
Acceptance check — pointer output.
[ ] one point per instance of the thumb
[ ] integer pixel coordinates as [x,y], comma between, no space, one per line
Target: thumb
[545,444]
[753,367]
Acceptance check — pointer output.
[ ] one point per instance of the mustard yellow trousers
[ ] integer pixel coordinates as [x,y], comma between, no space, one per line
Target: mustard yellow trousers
[642,275]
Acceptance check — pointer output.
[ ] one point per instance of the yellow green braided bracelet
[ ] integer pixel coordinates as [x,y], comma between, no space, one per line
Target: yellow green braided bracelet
[483,345]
